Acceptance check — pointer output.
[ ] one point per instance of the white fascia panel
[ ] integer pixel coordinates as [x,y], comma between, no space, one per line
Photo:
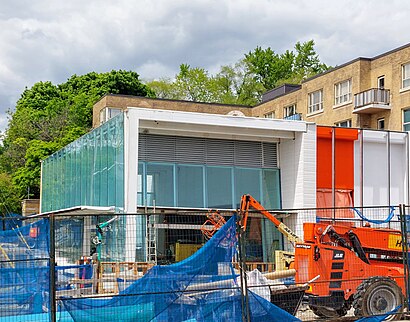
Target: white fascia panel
[161,121]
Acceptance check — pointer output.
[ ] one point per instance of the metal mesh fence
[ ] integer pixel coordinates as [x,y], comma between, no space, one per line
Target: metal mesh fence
[187,265]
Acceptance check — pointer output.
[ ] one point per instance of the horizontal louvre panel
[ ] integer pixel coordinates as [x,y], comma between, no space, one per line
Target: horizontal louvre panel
[159,148]
[220,152]
[190,150]
[270,155]
[248,154]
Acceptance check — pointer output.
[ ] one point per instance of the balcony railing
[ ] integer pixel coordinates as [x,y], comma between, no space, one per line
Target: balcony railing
[294,117]
[374,98]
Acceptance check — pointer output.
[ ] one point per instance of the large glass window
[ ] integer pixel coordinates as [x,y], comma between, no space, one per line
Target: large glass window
[89,171]
[271,189]
[405,76]
[219,184]
[343,92]
[160,185]
[247,181]
[190,186]
[196,186]
[315,101]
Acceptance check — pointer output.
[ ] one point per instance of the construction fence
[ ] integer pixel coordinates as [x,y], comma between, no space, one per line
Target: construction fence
[167,265]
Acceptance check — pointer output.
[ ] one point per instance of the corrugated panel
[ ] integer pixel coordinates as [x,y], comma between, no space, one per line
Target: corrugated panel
[190,150]
[269,155]
[220,152]
[159,148]
[248,154]
[142,140]
[177,149]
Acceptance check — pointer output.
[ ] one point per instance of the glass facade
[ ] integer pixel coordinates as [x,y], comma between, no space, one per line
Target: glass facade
[202,186]
[89,171]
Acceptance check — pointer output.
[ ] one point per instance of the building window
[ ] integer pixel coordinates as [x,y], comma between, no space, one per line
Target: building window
[108,113]
[380,82]
[405,76]
[347,123]
[270,115]
[289,110]
[315,101]
[380,124]
[406,120]
[343,92]
[204,186]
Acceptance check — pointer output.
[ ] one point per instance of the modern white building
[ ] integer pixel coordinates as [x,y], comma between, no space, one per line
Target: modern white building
[151,159]
[183,160]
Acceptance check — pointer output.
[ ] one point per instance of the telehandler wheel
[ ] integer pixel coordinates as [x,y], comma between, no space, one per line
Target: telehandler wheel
[325,312]
[378,295]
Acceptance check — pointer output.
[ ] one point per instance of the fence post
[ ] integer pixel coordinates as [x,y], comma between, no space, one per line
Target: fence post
[53,306]
[404,245]
[242,271]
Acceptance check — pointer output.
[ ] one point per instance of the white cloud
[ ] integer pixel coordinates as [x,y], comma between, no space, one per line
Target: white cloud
[51,40]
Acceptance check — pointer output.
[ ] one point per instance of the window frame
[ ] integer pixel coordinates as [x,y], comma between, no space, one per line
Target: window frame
[348,123]
[403,74]
[406,123]
[315,107]
[270,115]
[381,79]
[379,121]
[341,97]
[291,108]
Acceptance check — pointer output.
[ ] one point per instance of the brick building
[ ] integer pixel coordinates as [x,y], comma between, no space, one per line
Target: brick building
[365,92]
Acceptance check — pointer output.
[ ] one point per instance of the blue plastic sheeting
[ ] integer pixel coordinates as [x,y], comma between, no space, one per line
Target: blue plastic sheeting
[375,221]
[24,268]
[11,221]
[379,318]
[176,293]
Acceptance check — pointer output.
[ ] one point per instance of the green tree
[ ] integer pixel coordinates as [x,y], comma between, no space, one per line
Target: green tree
[193,84]
[272,70]
[245,81]
[9,196]
[48,117]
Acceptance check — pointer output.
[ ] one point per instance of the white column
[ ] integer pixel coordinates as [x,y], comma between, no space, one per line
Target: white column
[131,126]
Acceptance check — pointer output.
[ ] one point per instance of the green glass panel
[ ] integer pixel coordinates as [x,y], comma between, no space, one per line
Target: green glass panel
[160,185]
[89,171]
[406,116]
[219,187]
[271,188]
[190,186]
[247,181]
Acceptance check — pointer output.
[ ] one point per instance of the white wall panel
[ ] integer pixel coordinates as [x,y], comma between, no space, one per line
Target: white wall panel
[297,161]
[385,169]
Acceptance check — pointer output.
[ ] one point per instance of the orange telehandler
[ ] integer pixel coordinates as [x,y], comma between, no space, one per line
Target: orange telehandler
[358,266]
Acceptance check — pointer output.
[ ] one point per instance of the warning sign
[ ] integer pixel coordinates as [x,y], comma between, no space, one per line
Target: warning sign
[395,242]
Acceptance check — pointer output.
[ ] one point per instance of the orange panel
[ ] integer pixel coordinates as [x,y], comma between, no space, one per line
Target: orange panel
[344,157]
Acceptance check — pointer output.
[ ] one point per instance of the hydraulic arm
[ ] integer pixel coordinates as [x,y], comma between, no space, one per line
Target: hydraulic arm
[247,202]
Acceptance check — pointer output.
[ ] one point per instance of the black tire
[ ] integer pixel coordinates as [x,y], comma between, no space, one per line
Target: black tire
[377,296]
[326,312]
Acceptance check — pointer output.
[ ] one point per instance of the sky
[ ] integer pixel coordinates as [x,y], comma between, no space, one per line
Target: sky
[50,40]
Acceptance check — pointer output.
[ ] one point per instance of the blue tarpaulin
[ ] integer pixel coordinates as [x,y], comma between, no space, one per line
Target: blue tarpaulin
[179,292]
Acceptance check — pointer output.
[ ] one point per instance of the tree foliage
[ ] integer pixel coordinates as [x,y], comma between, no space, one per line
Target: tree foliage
[245,81]
[48,117]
